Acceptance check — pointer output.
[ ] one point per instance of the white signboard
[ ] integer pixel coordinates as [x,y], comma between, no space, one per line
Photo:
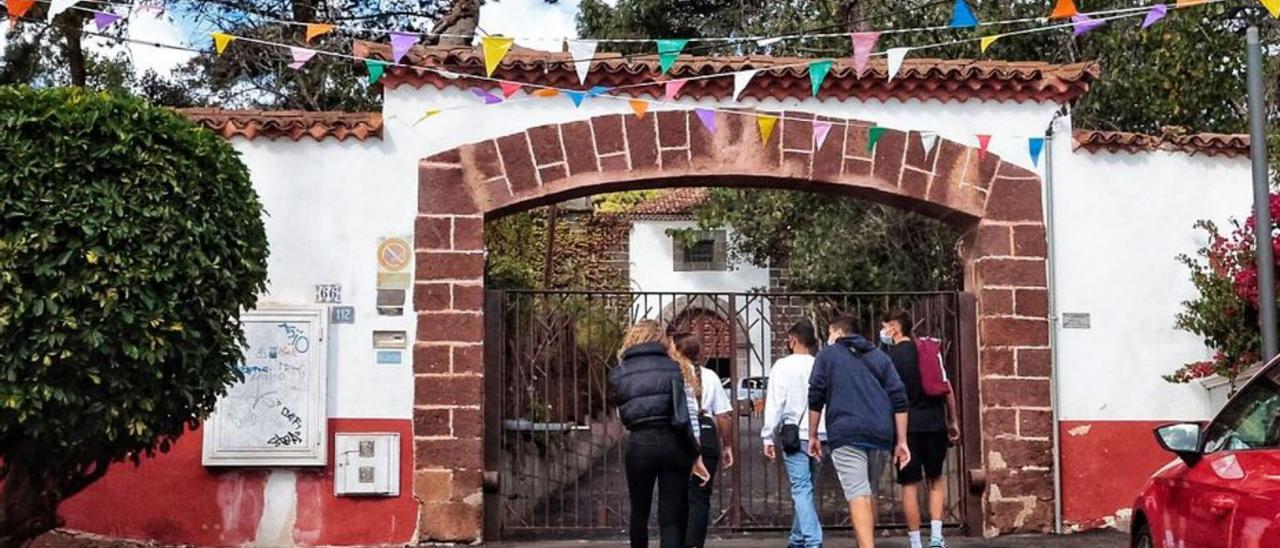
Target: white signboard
[276,416]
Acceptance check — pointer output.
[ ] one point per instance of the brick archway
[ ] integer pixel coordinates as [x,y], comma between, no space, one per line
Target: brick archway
[997,203]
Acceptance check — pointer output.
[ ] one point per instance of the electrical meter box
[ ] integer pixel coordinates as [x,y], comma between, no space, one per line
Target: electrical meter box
[366,464]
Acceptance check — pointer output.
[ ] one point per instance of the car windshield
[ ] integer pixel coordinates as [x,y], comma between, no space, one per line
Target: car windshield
[1251,420]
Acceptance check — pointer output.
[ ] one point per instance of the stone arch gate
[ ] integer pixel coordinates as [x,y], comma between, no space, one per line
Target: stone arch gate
[997,203]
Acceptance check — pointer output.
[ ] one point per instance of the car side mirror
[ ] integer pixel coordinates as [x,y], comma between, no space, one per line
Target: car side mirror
[1181,439]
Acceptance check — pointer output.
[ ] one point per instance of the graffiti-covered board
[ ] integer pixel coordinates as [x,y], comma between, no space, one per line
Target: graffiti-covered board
[276,415]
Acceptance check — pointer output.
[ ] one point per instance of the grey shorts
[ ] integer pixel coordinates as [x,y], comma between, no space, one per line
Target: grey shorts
[859,470]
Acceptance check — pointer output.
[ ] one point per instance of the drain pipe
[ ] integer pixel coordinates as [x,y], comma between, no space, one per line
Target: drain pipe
[1053,324]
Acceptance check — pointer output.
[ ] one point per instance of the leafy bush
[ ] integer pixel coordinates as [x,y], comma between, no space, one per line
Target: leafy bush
[130,240]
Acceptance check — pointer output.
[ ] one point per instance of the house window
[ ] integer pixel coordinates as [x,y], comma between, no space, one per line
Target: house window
[700,251]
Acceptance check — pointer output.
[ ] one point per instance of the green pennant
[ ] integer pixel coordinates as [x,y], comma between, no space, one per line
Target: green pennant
[376,69]
[668,50]
[873,134]
[817,73]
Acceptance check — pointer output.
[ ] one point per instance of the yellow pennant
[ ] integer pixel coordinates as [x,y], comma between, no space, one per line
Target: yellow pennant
[1273,6]
[316,29]
[765,122]
[986,41]
[220,41]
[495,48]
[427,114]
[641,107]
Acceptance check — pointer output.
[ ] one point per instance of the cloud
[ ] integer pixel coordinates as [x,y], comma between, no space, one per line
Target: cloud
[532,18]
[146,27]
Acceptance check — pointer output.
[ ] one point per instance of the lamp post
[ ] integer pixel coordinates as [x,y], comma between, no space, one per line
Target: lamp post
[1261,194]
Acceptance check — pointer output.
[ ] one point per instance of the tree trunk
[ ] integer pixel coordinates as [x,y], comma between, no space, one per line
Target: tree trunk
[460,22]
[28,504]
[71,24]
[553,216]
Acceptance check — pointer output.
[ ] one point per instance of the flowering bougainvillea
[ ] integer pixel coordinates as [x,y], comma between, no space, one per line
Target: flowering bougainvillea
[1225,313]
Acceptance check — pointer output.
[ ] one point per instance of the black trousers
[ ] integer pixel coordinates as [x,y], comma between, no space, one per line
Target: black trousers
[700,495]
[658,455]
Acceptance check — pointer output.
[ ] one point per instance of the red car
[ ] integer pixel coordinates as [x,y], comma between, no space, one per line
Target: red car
[1223,490]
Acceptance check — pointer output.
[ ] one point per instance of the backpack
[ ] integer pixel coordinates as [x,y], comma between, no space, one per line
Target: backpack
[933,378]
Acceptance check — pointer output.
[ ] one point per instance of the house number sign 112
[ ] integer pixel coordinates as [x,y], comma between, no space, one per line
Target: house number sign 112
[329,293]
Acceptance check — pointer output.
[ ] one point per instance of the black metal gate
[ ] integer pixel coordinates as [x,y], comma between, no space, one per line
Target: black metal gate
[557,443]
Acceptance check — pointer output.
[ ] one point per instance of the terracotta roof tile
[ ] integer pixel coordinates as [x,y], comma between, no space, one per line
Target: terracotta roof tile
[291,124]
[676,202]
[1212,144]
[943,80]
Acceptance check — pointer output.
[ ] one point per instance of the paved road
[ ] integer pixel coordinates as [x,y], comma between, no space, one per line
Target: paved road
[1097,539]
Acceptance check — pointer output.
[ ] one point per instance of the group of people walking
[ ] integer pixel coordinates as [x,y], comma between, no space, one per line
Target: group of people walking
[854,405]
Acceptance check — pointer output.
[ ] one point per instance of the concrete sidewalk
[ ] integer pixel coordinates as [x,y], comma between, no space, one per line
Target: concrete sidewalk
[843,539]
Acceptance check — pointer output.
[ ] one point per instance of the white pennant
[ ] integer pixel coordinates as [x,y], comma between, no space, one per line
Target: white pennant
[896,55]
[927,140]
[740,81]
[582,52]
[59,6]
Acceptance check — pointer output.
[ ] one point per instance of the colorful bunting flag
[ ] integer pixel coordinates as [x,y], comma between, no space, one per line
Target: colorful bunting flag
[668,50]
[576,97]
[820,131]
[18,8]
[817,73]
[863,44]
[495,48]
[740,81]
[986,41]
[1272,6]
[895,57]
[427,114]
[300,56]
[102,20]
[983,142]
[1158,11]
[489,98]
[597,91]
[1083,23]
[375,67]
[546,92]
[582,52]
[220,40]
[639,107]
[58,6]
[765,122]
[1035,145]
[962,16]
[509,88]
[672,88]
[1064,9]
[707,117]
[401,42]
[927,140]
[768,41]
[317,29]
[1189,3]
[874,133]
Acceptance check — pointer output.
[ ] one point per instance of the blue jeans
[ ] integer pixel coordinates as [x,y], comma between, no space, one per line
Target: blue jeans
[806,530]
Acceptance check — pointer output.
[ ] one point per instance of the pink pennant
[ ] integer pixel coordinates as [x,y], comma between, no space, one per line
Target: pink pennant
[300,57]
[863,44]
[983,142]
[102,20]
[673,87]
[820,131]
[510,88]
[400,44]
[708,118]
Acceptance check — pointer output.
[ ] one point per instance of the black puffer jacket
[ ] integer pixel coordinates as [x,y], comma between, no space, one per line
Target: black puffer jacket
[641,385]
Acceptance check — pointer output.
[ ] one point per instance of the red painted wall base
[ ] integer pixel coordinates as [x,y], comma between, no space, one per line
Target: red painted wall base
[1104,463]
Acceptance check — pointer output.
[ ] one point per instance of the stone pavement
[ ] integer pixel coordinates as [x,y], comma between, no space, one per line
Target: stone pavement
[843,539]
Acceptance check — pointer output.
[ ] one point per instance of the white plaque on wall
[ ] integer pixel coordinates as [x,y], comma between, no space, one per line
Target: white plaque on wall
[276,415]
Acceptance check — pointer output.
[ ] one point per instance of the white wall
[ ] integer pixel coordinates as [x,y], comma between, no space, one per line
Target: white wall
[1121,220]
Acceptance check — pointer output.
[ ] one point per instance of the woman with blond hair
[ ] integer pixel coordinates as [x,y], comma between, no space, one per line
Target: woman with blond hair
[658,406]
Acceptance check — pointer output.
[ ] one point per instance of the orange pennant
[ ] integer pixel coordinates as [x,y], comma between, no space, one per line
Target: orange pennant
[546,92]
[18,8]
[316,29]
[1188,3]
[1064,9]
[640,107]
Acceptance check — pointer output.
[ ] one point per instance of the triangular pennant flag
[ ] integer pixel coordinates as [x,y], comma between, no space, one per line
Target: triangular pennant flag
[509,88]
[546,92]
[672,88]
[18,8]
[639,107]
[1083,23]
[927,140]
[874,133]
[58,6]
[895,57]
[582,52]
[401,42]
[986,41]
[983,142]
[376,68]
[768,41]
[668,50]
[300,57]
[489,98]
[102,20]
[1035,145]
[962,16]
[707,117]
[316,29]
[766,122]
[427,114]
[597,91]
[1158,11]
[495,48]
[1064,9]
[576,97]
[1272,6]
[820,131]
[220,41]
[740,81]
[1188,3]
[863,44]
[817,73]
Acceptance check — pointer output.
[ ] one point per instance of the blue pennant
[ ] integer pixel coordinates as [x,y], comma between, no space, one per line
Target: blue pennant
[576,97]
[963,17]
[1035,145]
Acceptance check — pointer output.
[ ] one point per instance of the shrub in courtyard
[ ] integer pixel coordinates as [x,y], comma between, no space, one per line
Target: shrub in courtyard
[130,241]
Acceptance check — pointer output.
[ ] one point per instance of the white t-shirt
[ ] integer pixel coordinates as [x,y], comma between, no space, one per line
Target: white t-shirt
[714,399]
[787,399]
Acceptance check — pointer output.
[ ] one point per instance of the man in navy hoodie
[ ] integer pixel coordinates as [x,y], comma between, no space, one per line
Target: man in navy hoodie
[866,406]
